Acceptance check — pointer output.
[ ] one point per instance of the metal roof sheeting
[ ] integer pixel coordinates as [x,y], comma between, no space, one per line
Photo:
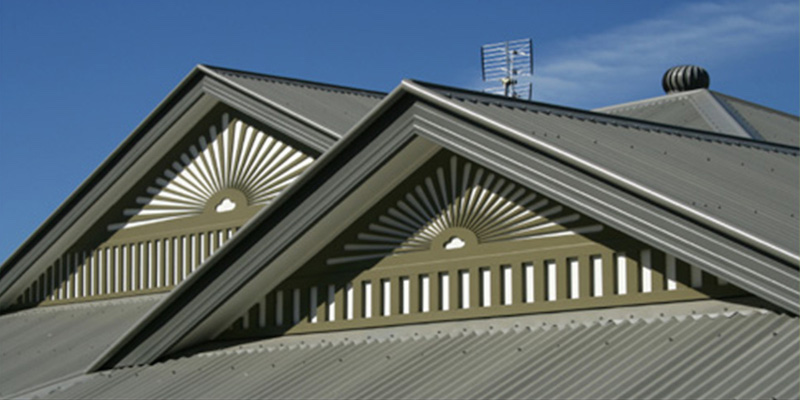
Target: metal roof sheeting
[750,355]
[44,344]
[773,125]
[714,112]
[675,109]
[337,108]
[750,186]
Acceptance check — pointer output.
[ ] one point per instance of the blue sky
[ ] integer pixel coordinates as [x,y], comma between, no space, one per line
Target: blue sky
[76,77]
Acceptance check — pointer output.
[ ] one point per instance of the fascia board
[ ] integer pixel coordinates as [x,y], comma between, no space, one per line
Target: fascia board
[587,165]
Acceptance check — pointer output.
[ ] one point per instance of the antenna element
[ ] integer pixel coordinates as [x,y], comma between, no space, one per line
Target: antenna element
[505,62]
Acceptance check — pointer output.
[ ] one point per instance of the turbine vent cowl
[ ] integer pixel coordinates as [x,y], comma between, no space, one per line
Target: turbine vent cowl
[683,78]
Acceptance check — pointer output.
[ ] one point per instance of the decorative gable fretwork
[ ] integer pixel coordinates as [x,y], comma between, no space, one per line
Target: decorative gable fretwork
[214,186]
[232,166]
[457,241]
[460,195]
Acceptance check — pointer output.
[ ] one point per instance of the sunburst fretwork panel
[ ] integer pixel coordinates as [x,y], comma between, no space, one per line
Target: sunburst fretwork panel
[220,179]
[459,196]
[232,166]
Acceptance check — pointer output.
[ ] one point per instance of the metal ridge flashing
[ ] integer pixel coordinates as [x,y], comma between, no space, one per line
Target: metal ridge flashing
[721,117]
[442,101]
[597,116]
[300,82]
[303,119]
[755,105]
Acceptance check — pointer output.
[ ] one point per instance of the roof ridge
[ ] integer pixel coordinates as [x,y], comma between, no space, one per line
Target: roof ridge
[756,105]
[298,82]
[638,104]
[602,118]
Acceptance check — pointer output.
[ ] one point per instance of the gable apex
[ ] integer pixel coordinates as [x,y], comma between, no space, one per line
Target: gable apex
[201,92]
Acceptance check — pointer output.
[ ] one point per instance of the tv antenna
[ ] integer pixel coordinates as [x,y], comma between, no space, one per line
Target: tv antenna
[506,62]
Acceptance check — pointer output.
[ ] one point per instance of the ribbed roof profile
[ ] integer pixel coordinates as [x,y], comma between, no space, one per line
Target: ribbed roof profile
[50,343]
[743,183]
[772,125]
[335,107]
[689,104]
[750,355]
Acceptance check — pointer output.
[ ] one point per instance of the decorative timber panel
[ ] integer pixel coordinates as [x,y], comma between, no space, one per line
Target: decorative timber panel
[457,241]
[211,188]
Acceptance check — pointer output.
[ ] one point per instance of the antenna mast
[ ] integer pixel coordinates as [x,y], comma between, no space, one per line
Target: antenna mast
[506,62]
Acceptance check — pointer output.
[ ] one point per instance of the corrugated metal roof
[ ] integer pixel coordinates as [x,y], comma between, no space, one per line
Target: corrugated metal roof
[714,112]
[739,182]
[675,109]
[44,344]
[335,107]
[773,125]
[750,355]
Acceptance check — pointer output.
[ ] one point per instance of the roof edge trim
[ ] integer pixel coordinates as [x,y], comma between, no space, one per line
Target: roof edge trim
[216,75]
[321,86]
[641,124]
[442,101]
[194,76]
[320,165]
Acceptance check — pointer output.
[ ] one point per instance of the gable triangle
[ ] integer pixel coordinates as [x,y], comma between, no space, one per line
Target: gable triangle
[456,240]
[179,212]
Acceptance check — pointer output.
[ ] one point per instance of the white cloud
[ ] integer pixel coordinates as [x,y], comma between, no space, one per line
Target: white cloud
[629,58]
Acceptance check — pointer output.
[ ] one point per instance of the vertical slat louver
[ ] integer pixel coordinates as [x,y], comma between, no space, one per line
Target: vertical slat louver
[421,293]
